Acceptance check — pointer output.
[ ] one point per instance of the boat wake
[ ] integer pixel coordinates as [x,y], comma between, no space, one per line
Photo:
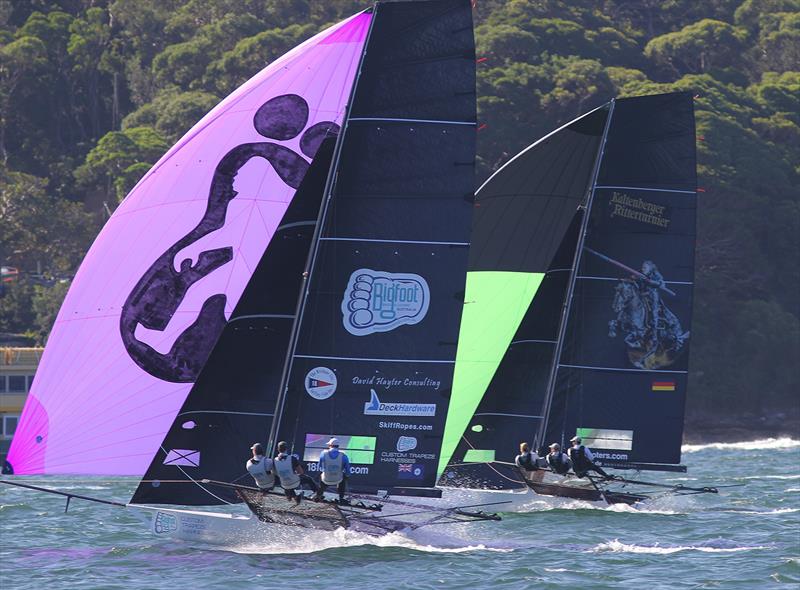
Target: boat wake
[714,546]
[666,506]
[752,445]
[290,541]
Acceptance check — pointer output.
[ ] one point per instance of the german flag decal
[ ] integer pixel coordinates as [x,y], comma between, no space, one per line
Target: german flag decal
[663,386]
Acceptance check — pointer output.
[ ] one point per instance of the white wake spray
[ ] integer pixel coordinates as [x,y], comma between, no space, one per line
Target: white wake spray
[753,445]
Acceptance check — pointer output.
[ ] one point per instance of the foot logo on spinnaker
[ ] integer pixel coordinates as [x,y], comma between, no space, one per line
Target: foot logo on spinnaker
[321,383]
[376,301]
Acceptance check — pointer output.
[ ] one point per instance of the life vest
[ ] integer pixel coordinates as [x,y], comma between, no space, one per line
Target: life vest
[558,463]
[333,473]
[283,466]
[580,463]
[261,470]
[525,461]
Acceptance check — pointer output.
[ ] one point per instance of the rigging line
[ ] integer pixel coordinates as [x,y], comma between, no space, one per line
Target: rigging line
[393,120]
[576,260]
[641,188]
[223,412]
[305,287]
[588,278]
[296,223]
[394,241]
[280,316]
[620,369]
[534,341]
[512,415]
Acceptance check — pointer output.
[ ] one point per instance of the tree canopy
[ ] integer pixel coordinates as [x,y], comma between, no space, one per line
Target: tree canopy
[92,92]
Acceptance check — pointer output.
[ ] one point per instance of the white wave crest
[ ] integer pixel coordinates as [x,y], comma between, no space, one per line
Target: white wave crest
[763,512]
[752,445]
[793,490]
[770,477]
[313,541]
[616,546]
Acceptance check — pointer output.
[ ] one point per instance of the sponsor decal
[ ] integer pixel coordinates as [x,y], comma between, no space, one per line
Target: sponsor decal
[652,333]
[354,469]
[375,407]
[406,443]
[404,426]
[389,382]
[410,471]
[636,208]
[377,301]
[359,449]
[663,386]
[164,523]
[610,456]
[392,457]
[183,458]
[320,383]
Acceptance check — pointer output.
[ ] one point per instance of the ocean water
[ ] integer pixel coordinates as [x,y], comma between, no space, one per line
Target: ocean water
[746,537]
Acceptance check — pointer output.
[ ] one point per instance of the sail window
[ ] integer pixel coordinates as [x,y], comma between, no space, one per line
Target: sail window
[603,438]
[183,458]
[359,449]
[479,456]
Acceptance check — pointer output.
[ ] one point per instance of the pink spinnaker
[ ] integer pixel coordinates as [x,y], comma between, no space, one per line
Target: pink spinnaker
[92,408]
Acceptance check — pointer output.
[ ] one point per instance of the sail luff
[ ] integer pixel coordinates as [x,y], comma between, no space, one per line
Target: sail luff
[551,382]
[309,269]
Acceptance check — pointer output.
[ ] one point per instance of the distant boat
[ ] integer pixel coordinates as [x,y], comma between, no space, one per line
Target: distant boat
[579,300]
[295,264]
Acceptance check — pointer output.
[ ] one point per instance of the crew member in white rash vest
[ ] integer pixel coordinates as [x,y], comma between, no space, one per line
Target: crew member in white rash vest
[334,467]
[582,459]
[261,468]
[290,473]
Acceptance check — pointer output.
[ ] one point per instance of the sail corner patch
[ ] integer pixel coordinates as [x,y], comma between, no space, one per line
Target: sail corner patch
[377,301]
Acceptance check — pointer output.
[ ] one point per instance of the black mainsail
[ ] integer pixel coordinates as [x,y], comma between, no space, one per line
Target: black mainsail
[587,356]
[380,225]
[380,316]
[621,377]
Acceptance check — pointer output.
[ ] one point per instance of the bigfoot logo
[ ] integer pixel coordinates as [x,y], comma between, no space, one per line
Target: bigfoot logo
[376,301]
[154,306]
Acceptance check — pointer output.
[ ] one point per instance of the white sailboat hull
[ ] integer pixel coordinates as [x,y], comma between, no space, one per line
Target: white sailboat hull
[216,528]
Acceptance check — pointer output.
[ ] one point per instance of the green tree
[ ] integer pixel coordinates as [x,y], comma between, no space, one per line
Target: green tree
[114,154]
[697,48]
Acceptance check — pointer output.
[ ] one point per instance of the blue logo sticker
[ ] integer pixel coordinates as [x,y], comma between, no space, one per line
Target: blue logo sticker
[410,471]
[376,301]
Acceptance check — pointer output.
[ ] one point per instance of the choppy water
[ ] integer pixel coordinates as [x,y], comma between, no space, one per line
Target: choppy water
[746,537]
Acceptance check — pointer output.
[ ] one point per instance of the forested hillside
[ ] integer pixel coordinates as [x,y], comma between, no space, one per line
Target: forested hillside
[92,92]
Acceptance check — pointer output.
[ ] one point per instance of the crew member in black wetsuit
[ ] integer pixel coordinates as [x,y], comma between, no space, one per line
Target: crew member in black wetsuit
[558,461]
[582,459]
[526,460]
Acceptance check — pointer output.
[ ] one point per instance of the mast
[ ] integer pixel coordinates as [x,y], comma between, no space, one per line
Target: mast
[328,192]
[551,381]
